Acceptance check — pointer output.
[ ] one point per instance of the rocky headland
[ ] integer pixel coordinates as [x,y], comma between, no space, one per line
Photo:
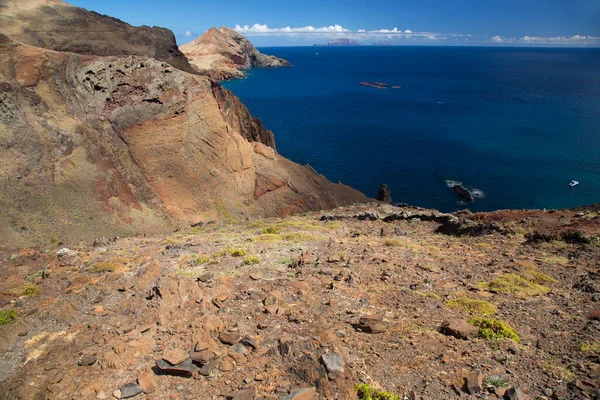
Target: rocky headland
[224,54]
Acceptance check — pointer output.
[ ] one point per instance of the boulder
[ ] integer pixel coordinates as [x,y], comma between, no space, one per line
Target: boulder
[370,324]
[459,328]
[334,364]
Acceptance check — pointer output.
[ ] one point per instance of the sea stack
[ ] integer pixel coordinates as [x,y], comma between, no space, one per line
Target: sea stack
[384,193]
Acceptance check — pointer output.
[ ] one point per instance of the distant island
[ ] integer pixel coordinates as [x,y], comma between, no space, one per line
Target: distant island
[340,42]
[383,43]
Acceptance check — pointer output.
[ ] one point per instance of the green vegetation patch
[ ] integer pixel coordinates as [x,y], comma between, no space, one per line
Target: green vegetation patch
[494,329]
[237,252]
[30,289]
[271,230]
[589,347]
[7,316]
[200,260]
[251,260]
[478,307]
[539,277]
[368,392]
[516,285]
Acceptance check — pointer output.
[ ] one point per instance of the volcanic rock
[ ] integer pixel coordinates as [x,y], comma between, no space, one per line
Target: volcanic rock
[459,328]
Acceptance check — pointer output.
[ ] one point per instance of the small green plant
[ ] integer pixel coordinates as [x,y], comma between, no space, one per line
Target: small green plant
[237,252]
[287,261]
[368,392]
[589,347]
[13,257]
[478,307]
[516,285]
[251,260]
[7,316]
[494,329]
[270,230]
[494,381]
[30,289]
[200,260]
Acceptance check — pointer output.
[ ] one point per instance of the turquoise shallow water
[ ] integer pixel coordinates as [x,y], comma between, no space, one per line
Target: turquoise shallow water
[517,124]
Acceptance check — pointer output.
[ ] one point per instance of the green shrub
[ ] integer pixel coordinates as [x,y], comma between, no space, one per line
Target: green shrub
[251,260]
[515,284]
[367,392]
[270,230]
[6,316]
[479,307]
[30,289]
[237,252]
[494,329]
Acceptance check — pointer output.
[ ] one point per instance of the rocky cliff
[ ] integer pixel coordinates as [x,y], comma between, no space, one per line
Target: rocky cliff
[56,25]
[225,54]
[95,146]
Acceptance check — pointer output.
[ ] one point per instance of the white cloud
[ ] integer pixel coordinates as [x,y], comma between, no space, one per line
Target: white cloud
[187,34]
[407,36]
[259,28]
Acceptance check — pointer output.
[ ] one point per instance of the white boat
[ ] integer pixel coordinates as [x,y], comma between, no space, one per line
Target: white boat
[573,183]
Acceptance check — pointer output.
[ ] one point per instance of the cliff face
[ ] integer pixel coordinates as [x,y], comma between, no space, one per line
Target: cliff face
[225,54]
[102,146]
[55,25]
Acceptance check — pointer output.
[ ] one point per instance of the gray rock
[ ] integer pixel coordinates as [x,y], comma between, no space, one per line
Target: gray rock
[130,390]
[334,364]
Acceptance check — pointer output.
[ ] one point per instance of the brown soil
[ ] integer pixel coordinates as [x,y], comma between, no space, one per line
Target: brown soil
[297,297]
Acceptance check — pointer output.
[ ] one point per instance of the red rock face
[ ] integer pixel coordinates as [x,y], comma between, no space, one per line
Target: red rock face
[104,146]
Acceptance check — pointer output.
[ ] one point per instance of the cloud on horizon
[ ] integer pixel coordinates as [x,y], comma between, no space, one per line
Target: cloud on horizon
[407,36]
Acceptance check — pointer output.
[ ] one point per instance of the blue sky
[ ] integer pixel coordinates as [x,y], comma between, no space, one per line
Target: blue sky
[438,22]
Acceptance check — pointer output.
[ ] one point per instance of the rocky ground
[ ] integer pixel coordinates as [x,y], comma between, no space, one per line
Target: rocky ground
[308,307]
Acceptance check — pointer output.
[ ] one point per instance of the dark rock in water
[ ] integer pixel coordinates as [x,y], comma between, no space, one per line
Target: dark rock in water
[384,193]
[462,192]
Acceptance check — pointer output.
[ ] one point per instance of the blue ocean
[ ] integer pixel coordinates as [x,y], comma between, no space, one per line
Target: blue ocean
[516,124]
